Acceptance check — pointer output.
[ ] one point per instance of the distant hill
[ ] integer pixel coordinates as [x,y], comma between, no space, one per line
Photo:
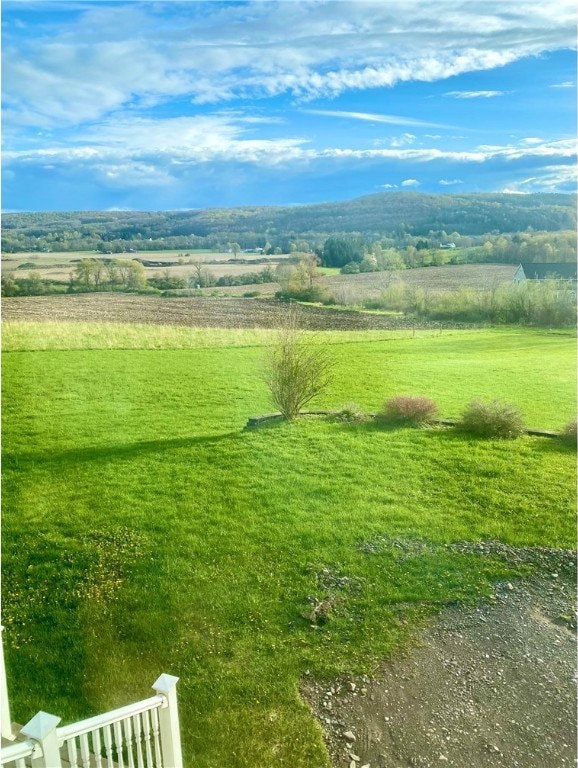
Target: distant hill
[374,216]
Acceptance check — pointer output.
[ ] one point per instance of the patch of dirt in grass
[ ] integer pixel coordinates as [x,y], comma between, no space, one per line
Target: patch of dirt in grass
[492,685]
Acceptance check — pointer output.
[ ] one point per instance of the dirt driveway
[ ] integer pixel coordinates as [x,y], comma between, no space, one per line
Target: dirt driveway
[492,685]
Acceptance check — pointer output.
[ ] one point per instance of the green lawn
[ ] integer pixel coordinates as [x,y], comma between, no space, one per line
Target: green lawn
[145,531]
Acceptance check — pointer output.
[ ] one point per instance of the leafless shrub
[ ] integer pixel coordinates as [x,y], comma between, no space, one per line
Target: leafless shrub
[298,366]
[493,419]
[408,409]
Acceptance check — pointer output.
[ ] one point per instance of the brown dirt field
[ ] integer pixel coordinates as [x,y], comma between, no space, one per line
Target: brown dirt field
[195,312]
[479,277]
[491,686]
[352,289]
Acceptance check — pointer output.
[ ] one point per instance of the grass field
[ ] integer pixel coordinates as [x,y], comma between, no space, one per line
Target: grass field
[145,531]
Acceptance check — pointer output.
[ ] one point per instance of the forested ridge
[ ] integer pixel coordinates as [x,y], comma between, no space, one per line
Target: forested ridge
[394,215]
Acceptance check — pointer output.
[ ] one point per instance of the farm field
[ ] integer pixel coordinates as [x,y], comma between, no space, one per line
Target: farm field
[479,277]
[194,312]
[144,530]
[353,289]
[59,265]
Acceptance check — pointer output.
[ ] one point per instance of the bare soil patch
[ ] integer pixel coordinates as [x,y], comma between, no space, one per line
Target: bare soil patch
[195,312]
[492,685]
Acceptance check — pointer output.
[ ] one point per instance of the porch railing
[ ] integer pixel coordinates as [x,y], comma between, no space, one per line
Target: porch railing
[141,735]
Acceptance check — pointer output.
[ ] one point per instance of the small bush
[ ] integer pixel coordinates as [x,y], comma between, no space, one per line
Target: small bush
[568,434]
[492,419]
[408,409]
[351,413]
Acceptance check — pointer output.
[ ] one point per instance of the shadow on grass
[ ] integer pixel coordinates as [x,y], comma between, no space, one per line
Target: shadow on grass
[127,451]
[554,445]
[372,426]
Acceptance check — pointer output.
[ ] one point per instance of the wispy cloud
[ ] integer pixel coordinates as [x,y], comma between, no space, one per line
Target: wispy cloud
[450,182]
[565,84]
[550,178]
[372,117]
[410,183]
[474,94]
[105,56]
[404,140]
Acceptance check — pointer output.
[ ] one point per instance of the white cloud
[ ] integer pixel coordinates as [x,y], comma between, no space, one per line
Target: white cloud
[403,140]
[450,182]
[372,117]
[550,178]
[565,84]
[531,140]
[388,186]
[410,183]
[135,55]
[474,94]
[174,142]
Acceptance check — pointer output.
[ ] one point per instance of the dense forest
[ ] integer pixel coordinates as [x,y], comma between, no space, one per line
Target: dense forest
[401,217]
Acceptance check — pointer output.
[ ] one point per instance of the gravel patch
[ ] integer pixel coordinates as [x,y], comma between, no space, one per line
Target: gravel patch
[492,685]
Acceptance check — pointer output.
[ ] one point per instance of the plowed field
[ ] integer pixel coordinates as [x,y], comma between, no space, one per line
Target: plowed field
[193,312]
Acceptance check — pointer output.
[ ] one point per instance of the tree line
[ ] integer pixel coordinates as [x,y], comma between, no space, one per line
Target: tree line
[391,215]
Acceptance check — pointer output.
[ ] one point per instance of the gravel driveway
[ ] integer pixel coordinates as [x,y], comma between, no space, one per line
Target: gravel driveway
[492,685]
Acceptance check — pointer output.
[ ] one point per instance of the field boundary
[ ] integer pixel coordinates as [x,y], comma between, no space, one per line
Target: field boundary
[256,421]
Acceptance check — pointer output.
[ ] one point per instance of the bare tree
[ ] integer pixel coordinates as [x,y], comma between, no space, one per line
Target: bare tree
[298,366]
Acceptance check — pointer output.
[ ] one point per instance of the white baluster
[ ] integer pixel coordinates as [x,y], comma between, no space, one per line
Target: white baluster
[155,725]
[118,741]
[72,753]
[84,750]
[20,763]
[96,748]
[108,746]
[128,737]
[147,735]
[138,740]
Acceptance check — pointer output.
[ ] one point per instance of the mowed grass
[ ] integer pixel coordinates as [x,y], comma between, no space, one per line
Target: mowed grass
[145,531]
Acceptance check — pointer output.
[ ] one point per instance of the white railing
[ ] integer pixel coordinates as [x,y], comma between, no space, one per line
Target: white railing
[17,754]
[141,735]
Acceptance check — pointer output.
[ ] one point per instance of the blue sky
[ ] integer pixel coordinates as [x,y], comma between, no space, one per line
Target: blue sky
[167,105]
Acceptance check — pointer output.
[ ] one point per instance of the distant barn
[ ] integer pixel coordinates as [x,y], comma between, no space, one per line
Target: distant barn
[551,271]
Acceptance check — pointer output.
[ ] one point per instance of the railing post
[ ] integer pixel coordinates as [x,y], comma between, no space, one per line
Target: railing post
[169,722]
[6,720]
[42,728]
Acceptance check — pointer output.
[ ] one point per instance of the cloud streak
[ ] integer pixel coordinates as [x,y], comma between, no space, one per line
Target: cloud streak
[212,52]
[371,117]
[474,94]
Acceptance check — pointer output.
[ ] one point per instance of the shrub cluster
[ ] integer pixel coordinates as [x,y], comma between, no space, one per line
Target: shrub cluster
[545,303]
[351,413]
[492,419]
[408,409]
[315,294]
[568,434]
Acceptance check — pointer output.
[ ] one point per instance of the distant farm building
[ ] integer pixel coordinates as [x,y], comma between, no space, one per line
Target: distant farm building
[447,245]
[552,271]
